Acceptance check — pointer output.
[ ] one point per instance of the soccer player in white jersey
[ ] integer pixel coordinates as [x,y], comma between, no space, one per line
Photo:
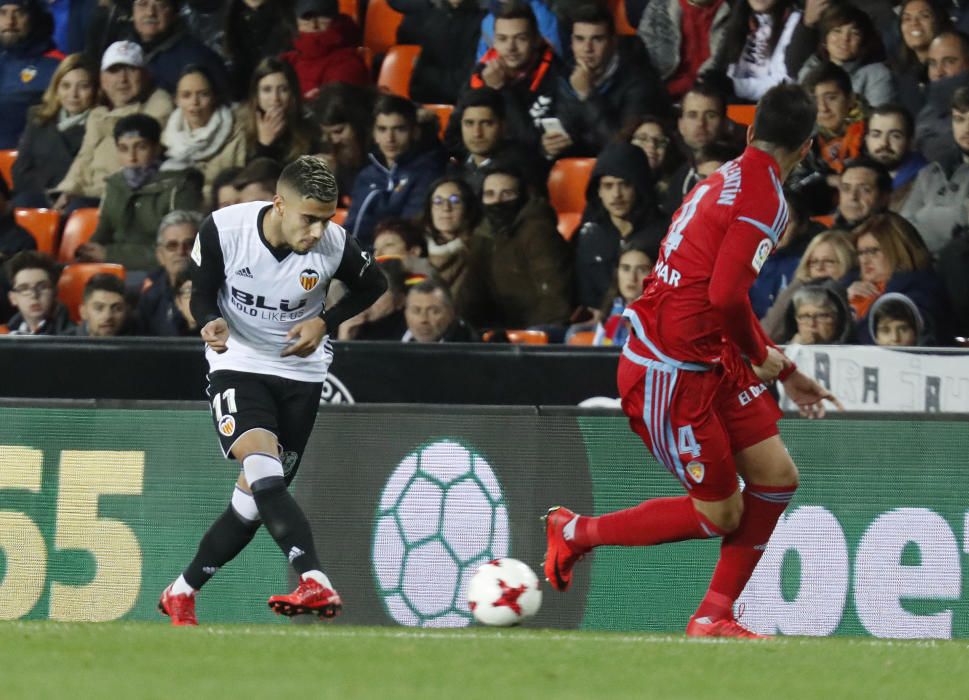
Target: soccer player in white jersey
[260,274]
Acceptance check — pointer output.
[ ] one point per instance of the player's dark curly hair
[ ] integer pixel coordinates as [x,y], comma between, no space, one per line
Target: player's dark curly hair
[311,178]
[785,117]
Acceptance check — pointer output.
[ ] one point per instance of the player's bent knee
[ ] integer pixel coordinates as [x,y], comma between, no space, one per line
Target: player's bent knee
[244,506]
[259,466]
[729,519]
[724,515]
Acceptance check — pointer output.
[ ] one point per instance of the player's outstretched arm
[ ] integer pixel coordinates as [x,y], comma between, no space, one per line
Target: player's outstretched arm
[808,395]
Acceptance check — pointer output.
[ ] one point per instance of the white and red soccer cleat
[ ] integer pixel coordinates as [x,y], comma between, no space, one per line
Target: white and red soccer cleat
[309,598]
[725,627]
[561,555]
[181,608]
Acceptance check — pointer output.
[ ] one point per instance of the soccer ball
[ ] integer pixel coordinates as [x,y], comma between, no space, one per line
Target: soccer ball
[504,592]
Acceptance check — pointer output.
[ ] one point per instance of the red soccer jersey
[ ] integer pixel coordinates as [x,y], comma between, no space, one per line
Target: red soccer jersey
[695,305]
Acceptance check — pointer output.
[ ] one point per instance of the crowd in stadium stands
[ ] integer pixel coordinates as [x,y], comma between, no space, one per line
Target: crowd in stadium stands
[513,165]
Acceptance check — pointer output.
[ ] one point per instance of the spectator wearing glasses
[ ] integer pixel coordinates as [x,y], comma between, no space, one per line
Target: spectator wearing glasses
[158,304]
[890,260]
[33,295]
[451,214]
[829,255]
[819,314]
[655,137]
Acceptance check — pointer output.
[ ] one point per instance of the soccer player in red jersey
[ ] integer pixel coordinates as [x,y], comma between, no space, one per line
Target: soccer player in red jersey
[703,412]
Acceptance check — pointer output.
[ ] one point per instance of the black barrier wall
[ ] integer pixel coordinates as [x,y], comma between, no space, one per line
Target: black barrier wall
[173,369]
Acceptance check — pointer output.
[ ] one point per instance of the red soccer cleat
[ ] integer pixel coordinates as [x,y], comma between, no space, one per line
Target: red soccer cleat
[560,554]
[181,608]
[310,597]
[726,627]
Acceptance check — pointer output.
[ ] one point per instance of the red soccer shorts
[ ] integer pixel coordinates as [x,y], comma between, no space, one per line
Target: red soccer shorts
[695,422]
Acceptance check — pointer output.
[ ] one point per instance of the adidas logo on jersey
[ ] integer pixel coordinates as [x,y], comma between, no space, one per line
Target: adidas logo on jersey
[244,272]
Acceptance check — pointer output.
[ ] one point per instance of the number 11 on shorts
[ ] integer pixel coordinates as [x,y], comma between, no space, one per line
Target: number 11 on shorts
[230,403]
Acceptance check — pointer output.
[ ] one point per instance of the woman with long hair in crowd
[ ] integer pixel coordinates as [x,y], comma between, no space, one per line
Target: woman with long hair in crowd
[636,260]
[55,130]
[202,132]
[657,139]
[919,22]
[344,113]
[451,214]
[276,125]
[892,258]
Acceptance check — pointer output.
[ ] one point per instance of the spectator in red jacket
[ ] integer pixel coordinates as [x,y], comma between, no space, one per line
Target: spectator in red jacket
[325,48]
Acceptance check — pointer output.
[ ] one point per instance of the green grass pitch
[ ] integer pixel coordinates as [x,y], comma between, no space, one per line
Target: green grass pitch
[147,660]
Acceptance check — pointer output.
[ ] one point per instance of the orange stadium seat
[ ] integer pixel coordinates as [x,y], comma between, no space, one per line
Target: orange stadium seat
[340,216]
[4,329]
[43,224]
[623,27]
[443,113]
[78,229]
[6,165]
[567,183]
[350,8]
[582,338]
[397,68]
[70,287]
[380,26]
[742,114]
[520,337]
[569,223]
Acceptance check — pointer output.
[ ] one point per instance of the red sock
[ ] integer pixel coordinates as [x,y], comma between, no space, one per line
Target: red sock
[743,548]
[651,522]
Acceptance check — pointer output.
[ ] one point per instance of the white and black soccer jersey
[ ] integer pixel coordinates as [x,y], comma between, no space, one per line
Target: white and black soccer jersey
[262,291]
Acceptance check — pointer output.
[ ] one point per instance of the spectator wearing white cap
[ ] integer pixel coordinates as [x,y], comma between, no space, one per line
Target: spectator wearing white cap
[126,89]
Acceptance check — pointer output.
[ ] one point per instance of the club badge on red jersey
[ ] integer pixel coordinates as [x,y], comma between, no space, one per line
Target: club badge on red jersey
[696,470]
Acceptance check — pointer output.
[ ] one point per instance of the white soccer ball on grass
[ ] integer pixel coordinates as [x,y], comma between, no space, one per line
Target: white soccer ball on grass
[504,592]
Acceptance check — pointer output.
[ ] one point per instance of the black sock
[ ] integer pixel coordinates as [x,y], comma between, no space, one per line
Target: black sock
[226,537]
[287,524]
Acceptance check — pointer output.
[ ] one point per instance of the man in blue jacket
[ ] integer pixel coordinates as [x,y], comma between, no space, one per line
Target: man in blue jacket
[28,60]
[402,168]
[169,47]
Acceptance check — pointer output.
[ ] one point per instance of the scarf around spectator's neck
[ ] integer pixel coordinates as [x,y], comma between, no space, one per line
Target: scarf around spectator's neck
[65,121]
[858,112]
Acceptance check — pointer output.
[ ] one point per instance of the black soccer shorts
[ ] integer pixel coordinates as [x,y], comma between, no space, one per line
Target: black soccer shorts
[244,401]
